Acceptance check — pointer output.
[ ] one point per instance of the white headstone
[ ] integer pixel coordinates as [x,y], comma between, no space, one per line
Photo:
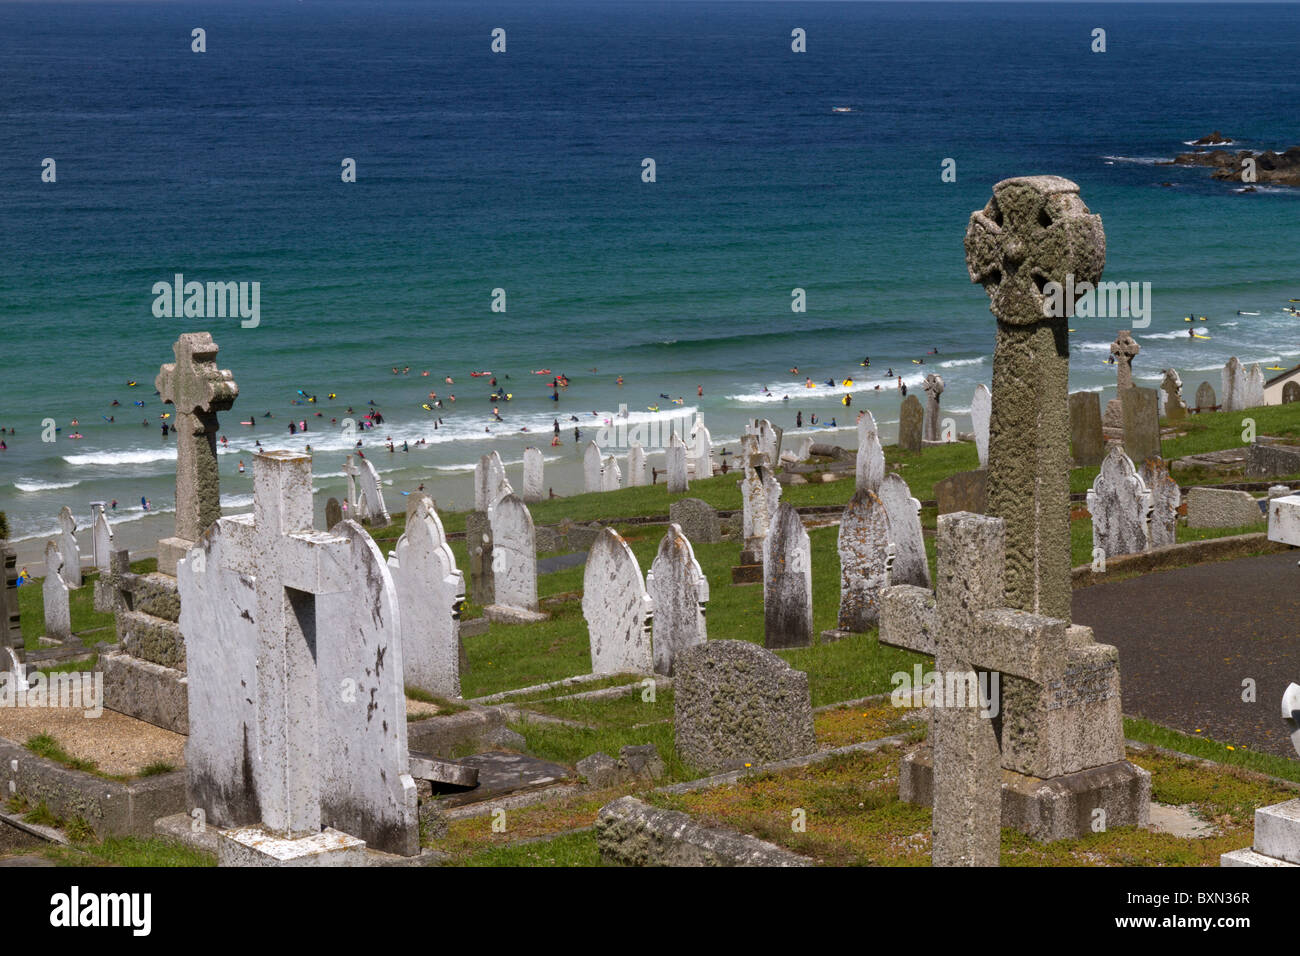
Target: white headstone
[611,478]
[490,483]
[617,608]
[904,515]
[101,537]
[1165,499]
[1254,387]
[514,555]
[981,413]
[430,594]
[678,592]
[636,470]
[864,561]
[592,466]
[54,592]
[787,581]
[1234,386]
[1120,505]
[69,548]
[534,483]
[871,457]
[677,482]
[701,450]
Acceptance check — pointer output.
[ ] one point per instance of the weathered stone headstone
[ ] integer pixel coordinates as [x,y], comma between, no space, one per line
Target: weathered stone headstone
[1175,409]
[11,630]
[101,536]
[1119,503]
[611,479]
[738,704]
[430,594]
[933,386]
[864,546]
[769,440]
[370,507]
[677,482]
[333,513]
[911,417]
[981,410]
[490,482]
[1290,392]
[1253,391]
[1221,508]
[69,548]
[1034,228]
[963,491]
[787,581]
[636,470]
[534,483]
[697,519]
[1234,386]
[1165,499]
[870,469]
[1140,407]
[54,592]
[514,555]
[617,608]
[198,390]
[1205,400]
[910,565]
[1124,350]
[478,542]
[592,466]
[679,592]
[1087,446]
[414,500]
[297,708]
[701,450]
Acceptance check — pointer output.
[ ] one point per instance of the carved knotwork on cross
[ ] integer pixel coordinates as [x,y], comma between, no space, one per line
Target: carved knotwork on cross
[1034,231]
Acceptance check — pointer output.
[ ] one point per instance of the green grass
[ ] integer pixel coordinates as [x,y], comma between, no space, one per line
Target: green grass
[43,745]
[1197,746]
[571,849]
[81,605]
[128,851]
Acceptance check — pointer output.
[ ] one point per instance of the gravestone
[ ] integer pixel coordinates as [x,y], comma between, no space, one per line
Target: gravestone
[101,536]
[534,483]
[677,483]
[1034,228]
[333,513]
[870,470]
[1113,418]
[490,482]
[414,500]
[679,592]
[430,595]
[636,471]
[702,450]
[1087,446]
[787,581]
[737,704]
[369,507]
[864,547]
[760,494]
[1221,508]
[963,491]
[697,519]
[592,466]
[611,479]
[911,417]
[1234,386]
[54,592]
[933,386]
[11,629]
[514,555]
[617,608]
[769,440]
[981,409]
[1290,392]
[352,472]
[910,565]
[1171,385]
[1124,350]
[1165,499]
[1120,504]
[197,390]
[1253,391]
[1205,400]
[297,707]
[478,542]
[69,548]
[1140,408]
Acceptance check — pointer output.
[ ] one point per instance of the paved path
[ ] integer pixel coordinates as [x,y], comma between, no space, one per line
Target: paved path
[1188,638]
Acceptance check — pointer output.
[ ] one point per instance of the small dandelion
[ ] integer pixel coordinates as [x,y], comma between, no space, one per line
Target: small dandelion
[1231,747]
[749,765]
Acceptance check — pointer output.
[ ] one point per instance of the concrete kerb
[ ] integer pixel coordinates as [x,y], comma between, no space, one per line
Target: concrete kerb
[1178,555]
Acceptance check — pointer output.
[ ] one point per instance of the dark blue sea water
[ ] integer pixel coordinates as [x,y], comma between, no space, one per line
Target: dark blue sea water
[522,171]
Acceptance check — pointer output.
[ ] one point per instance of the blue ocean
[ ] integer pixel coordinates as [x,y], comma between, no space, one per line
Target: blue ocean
[517,179]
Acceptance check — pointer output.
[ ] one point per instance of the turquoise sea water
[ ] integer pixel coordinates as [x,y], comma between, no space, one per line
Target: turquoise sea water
[522,171]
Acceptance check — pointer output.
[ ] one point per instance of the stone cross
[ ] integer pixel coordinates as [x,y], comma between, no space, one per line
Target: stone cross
[969,629]
[54,592]
[197,389]
[1120,504]
[933,386]
[430,595]
[534,483]
[1034,230]
[69,548]
[870,468]
[679,593]
[1124,350]
[617,608]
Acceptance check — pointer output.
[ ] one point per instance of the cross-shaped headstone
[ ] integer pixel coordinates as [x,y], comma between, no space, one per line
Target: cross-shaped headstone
[1034,230]
[1124,350]
[969,630]
[197,389]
